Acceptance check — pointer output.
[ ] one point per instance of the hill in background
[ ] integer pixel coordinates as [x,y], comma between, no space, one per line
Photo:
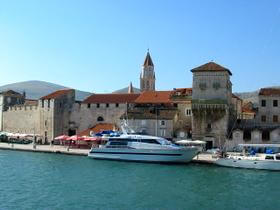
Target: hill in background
[36,89]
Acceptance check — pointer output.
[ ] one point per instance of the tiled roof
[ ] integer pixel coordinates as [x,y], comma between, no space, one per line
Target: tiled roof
[30,102]
[211,66]
[235,96]
[111,98]
[248,105]
[154,97]
[98,128]
[148,60]
[269,92]
[183,91]
[10,92]
[248,110]
[57,94]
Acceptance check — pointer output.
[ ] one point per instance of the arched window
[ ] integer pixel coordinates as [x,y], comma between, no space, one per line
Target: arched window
[100,119]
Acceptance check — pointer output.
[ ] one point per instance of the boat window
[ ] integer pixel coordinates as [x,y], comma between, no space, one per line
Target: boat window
[278,157]
[268,157]
[118,143]
[150,141]
[120,139]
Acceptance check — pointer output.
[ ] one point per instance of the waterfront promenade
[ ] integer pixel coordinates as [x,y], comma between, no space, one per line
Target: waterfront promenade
[44,148]
[59,149]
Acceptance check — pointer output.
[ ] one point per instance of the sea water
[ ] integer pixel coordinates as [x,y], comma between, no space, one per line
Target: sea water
[54,181]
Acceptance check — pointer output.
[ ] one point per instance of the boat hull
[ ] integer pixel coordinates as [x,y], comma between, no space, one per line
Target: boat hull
[250,164]
[145,155]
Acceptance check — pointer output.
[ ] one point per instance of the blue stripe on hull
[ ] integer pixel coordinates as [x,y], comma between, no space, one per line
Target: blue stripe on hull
[130,153]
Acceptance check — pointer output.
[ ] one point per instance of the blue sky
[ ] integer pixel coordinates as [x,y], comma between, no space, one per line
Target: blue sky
[99,46]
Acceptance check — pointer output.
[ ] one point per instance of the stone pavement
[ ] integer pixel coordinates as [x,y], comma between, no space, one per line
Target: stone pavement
[45,148]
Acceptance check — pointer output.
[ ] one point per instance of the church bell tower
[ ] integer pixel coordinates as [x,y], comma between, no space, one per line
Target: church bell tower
[147,76]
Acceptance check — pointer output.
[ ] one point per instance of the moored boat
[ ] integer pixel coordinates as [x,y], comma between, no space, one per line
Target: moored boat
[144,149]
[266,161]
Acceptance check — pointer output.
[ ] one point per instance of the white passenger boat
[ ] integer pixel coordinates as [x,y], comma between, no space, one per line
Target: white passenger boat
[131,147]
[253,161]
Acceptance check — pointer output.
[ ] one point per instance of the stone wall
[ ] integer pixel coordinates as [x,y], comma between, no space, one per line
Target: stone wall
[256,138]
[211,128]
[211,85]
[183,120]
[86,116]
[163,128]
[21,119]
[269,110]
[46,116]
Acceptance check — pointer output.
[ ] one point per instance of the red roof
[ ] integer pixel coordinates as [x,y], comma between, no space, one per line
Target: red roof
[235,96]
[183,91]
[111,98]
[98,128]
[152,97]
[57,94]
[248,110]
[211,66]
[270,92]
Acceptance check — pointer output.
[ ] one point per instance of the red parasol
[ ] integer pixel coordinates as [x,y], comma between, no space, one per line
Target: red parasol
[75,138]
[89,138]
[62,137]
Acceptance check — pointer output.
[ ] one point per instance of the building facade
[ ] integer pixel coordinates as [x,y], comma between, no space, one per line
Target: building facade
[269,106]
[211,103]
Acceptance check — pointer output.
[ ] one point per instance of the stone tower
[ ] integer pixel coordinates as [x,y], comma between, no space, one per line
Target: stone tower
[147,76]
[130,88]
[211,103]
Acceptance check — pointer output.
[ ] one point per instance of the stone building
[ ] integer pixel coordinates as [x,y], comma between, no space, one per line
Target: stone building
[153,113]
[9,98]
[182,98]
[211,103]
[54,113]
[237,105]
[259,125]
[100,108]
[47,118]
[269,106]
[248,111]
[147,76]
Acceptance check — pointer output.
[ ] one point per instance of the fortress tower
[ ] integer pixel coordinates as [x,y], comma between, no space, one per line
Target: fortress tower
[211,102]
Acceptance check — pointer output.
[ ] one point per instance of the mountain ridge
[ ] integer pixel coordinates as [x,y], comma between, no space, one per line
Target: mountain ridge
[36,89]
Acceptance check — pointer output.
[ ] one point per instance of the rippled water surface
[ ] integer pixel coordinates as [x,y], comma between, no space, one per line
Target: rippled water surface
[53,181]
